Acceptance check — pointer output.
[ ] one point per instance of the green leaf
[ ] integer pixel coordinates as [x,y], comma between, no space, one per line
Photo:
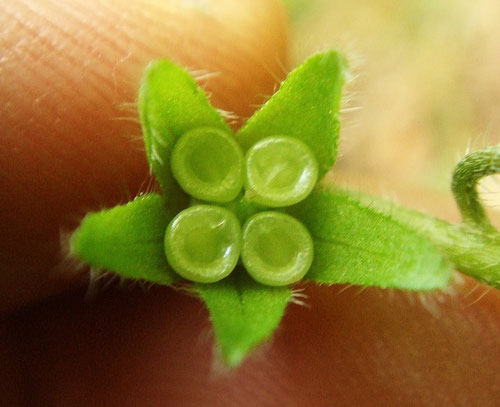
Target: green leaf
[170,104]
[306,107]
[244,313]
[359,245]
[127,240]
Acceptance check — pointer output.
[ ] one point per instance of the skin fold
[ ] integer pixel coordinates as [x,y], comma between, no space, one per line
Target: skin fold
[70,143]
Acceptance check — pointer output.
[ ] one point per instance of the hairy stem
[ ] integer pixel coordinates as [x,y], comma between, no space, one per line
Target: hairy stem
[473,246]
[468,173]
[472,251]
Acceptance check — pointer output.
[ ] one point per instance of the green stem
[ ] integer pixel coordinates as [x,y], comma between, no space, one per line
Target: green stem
[468,173]
[470,250]
[473,247]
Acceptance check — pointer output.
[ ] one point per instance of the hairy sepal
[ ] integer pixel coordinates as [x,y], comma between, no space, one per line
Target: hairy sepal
[170,104]
[305,107]
[243,312]
[127,240]
[359,245]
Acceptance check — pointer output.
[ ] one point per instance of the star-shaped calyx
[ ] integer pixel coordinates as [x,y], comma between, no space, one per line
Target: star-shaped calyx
[240,215]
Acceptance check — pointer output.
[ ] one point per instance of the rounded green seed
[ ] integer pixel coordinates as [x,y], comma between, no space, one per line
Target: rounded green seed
[203,243]
[208,164]
[277,249]
[280,171]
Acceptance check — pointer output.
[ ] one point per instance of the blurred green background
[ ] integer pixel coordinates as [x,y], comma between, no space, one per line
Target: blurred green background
[426,87]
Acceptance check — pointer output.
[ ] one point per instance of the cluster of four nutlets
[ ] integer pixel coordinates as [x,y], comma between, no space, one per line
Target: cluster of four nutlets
[228,188]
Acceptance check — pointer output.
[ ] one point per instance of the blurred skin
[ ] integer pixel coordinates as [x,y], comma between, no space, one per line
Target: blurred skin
[70,137]
[410,113]
[70,143]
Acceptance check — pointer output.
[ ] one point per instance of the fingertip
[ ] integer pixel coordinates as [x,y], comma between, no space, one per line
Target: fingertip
[70,73]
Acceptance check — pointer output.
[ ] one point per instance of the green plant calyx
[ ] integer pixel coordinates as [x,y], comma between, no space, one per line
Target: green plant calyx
[203,242]
[208,164]
[325,236]
[280,171]
[277,249]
